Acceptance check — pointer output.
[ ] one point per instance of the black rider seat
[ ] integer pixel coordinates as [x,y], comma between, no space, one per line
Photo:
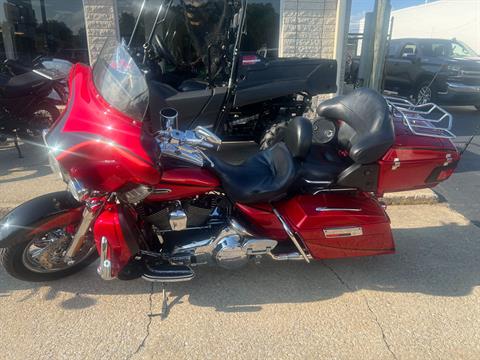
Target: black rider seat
[22,85]
[268,175]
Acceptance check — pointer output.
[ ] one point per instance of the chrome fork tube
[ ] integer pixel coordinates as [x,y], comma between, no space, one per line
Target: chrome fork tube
[78,239]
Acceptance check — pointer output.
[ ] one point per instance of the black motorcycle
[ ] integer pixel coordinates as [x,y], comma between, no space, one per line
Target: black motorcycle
[30,96]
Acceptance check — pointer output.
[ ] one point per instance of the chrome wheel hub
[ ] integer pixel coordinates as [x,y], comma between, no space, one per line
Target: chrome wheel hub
[46,252]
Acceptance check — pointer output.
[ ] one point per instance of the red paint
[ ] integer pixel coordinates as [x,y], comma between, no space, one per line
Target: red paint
[68,220]
[419,156]
[183,183]
[104,148]
[108,225]
[263,222]
[300,213]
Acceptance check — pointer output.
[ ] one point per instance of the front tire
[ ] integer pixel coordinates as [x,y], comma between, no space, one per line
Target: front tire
[19,263]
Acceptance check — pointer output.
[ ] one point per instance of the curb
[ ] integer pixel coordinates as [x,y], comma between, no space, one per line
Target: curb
[415,197]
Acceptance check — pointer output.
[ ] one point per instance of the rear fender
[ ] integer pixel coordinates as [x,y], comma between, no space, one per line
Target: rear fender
[29,215]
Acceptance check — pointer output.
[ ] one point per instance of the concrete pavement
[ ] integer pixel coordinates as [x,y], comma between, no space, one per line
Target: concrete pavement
[420,303]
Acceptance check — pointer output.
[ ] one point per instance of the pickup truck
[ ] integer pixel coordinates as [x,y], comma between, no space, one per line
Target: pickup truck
[446,72]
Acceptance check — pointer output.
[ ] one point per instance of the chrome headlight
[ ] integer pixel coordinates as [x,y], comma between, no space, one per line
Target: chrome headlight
[78,191]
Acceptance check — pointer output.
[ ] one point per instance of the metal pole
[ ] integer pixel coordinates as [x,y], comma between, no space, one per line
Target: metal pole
[382,19]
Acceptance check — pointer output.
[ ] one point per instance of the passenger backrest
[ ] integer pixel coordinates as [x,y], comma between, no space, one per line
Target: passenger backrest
[366,130]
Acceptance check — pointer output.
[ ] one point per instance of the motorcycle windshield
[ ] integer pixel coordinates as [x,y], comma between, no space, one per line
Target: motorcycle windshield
[119,80]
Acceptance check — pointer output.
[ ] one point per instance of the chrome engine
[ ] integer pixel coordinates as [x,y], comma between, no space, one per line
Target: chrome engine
[231,248]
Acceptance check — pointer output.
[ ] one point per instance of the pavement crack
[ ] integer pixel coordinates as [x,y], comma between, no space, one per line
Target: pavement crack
[365,299]
[147,329]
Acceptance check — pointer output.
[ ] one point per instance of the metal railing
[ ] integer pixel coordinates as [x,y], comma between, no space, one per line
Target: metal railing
[424,119]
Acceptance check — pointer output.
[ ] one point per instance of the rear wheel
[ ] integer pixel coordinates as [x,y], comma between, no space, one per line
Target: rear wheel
[275,134]
[39,256]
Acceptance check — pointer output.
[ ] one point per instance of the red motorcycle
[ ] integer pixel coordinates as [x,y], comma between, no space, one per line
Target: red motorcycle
[156,203]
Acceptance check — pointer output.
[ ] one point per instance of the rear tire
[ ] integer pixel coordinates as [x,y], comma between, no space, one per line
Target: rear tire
[275,134]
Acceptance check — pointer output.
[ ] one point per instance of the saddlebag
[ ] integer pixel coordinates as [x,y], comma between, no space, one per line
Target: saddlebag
[336,225]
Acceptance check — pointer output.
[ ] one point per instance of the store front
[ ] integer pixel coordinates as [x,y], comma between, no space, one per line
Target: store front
[43,27]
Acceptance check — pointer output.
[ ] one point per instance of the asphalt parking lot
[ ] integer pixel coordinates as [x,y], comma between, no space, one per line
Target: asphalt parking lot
[422,302]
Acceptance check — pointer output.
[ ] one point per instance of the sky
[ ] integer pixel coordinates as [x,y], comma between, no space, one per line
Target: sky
[360,7]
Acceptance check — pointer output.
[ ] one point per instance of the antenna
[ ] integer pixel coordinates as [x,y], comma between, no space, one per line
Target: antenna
[136,23]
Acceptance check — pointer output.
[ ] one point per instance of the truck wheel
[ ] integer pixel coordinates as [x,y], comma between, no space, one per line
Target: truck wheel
[275,134]
[425,93]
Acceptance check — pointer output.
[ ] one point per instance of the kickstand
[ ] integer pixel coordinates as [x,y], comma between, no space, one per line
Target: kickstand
[164,301]
[15,141]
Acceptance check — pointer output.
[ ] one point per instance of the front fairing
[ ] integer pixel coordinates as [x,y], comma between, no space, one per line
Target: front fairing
[99,145]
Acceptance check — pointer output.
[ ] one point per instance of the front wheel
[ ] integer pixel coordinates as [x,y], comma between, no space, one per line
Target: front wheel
[38,254]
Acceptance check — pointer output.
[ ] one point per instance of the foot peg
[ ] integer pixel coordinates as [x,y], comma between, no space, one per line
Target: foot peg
[167,273]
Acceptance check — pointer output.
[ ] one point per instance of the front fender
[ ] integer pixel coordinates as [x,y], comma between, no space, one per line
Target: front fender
[33,212]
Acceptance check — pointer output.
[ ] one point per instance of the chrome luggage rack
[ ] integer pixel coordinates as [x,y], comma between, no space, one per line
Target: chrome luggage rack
[424,119]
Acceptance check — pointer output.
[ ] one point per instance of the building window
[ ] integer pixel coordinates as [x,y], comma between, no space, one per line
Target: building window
[262,23]
[263,27]
[43,27]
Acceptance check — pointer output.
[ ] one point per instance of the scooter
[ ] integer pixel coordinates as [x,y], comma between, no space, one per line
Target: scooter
[155,201]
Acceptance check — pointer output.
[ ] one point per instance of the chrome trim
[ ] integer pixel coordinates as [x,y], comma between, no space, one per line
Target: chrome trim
[342,232]
[317,182]
[334,190]
[326,209]
[462,88]
[291,235]
[161,191]
[288,257]
[105,267]
[396,164]
[428,120]
[77,190]
[177,220]
[78,239]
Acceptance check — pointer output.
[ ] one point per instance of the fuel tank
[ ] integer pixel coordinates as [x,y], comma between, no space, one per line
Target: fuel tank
[99,145]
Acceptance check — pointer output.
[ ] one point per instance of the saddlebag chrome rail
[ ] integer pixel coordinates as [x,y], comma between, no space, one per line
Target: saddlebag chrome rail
[424,119]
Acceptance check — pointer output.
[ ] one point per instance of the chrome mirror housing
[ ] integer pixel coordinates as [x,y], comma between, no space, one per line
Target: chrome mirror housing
[208,136]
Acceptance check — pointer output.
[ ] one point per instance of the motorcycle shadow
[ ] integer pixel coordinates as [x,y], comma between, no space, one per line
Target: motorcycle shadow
[438,261]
